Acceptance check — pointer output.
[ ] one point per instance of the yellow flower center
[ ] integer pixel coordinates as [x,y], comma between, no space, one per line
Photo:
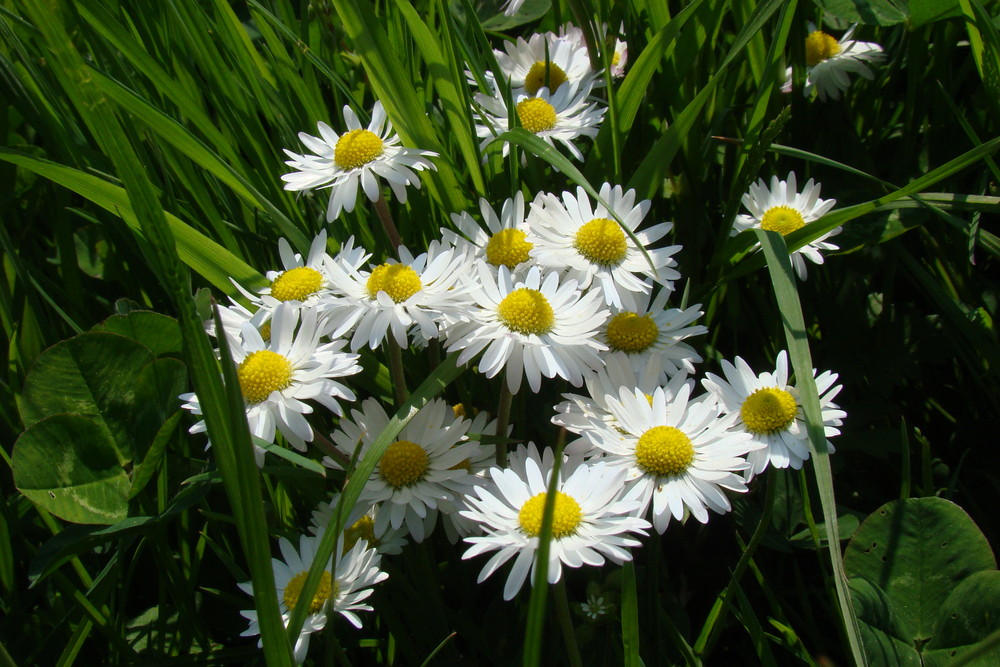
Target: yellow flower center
[782,219]
[399,281]
[357,148]
[566,515]
[263,372]
[819,47]
[508,247]
[527,312]
[265,331]
[632,333]
[768,410]
[544,74]
[664,451]
[462,465]
[403,463]
[536,115]
[327,590]
[362,529]
[296,284]
[601,241]
[616,58]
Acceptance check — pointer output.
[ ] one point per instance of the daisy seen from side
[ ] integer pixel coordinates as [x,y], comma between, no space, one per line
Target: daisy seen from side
[587,242]
[781,208]
[537,327]
[829,62]
[357,158]
[341,591]
[768,407]
[591,521]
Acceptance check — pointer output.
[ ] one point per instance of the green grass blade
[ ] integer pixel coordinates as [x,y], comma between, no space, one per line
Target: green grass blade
[630,617]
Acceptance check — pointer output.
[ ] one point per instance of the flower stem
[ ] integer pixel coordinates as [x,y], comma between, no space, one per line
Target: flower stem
[382,209]
[503,418]
[566,624]
[396,370]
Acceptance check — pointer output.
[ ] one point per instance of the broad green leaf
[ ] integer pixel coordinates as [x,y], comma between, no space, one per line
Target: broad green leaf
[159,333]
[92,375]
[157,387]
[69,465]
[877,12]
[968,616]
[923,12]
[917,550]
[886,641]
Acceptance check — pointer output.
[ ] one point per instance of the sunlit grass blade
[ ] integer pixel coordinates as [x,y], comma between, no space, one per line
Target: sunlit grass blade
[630,617]
[783,281]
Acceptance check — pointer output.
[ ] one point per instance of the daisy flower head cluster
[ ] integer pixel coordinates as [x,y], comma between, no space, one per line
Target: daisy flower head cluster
[343,588]
[552,85]
[830,61]
[768,408]
[359,157]
[783,209]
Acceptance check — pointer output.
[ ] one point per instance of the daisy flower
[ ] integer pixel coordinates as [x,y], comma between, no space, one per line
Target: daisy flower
[360,526]
[505,240]
[533,328]
[564,116]
[591,246]
[590,521]
[545,61]
[768,408]
[341,590]
[277,375]
[679,454]
[419,473]
[360,156]
[783,209]
[652,331]
[619,58]
[829,62]
[395,296]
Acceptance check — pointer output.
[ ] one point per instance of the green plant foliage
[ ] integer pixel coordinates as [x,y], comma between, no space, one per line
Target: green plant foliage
[969,615]
[875,12]
[923,12]
[906,561]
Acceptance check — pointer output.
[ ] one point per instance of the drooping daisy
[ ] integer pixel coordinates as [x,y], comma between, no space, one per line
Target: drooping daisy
[341,591]
[591,246]
[680,454]
[619,57]
[506,241]
[359,156]
[590,521]
[545,61]
[767,407]
[829,62]
[277,375]
[651,330]
[533,328]
[421,472]
[563,116]
[360,526]
[394,297]
[783,209]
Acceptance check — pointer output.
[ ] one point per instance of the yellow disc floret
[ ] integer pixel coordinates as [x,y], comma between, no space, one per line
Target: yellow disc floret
[327,590]
[508,247]
[399,281]
[263,372]
[601,241]
[566,515]
[544,74]
[265,331]
[632,333]
[819,47]
[768,410]
[296,284]
[536,115]
[403,464]
[357,148]
[664,451]
[362,529]
[527,312]
[782,219]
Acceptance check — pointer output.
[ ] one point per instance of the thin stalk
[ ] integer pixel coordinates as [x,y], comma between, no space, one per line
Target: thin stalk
[385,217]
[503,419]
[396,370]
[566,624]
